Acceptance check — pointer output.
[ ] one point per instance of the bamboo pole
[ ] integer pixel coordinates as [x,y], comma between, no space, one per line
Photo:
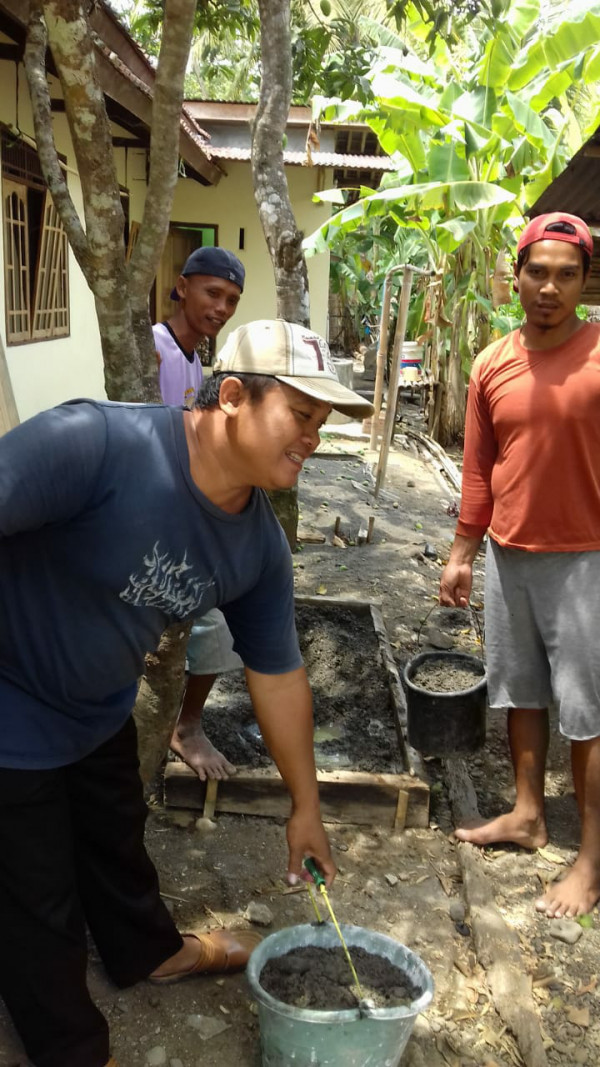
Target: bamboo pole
[384,329]
[393,384]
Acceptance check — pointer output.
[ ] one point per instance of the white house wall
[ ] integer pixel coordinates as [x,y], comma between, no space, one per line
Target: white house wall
[47,372]
[230,205]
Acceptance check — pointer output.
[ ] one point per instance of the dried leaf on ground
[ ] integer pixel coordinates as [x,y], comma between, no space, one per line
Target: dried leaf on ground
[589,988]
[552,857]
[579,1016]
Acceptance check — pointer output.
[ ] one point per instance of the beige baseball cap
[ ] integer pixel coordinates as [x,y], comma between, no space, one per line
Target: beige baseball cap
[295,356]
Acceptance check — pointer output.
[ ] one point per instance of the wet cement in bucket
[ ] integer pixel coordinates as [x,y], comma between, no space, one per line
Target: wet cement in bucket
[320,979]
[438,677]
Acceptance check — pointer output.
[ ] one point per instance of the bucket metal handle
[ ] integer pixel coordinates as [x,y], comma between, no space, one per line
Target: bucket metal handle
[474,616]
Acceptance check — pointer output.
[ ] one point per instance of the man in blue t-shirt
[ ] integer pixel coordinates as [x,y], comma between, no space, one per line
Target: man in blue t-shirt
[116,520]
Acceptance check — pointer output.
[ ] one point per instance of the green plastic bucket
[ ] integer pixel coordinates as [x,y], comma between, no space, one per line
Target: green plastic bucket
[360,1037]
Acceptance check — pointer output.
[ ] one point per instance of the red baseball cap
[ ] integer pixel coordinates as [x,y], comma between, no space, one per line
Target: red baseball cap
[557,226]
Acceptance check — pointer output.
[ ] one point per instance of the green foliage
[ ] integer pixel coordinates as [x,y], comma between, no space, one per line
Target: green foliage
[333,44]
[477,132]
[444,19]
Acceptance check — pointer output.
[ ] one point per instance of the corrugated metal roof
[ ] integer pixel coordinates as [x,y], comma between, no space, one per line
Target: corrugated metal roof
[577,189]
[317,159]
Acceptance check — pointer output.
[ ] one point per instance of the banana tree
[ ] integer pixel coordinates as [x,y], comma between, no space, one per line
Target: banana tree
[477,131]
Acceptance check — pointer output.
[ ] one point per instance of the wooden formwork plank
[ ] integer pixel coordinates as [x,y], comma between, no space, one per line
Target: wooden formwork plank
[346,796]
[361,607]
[386,800]
[412,759]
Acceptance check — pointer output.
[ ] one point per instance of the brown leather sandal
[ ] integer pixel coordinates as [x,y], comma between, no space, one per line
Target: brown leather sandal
[223,951]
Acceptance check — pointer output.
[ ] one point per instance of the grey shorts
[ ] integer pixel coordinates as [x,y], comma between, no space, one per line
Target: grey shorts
[210,646]
[542,634]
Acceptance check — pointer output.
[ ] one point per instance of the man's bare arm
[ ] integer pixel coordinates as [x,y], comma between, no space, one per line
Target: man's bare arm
[283,708]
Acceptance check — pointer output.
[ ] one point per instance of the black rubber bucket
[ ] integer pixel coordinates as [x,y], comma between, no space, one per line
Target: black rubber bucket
[446,724]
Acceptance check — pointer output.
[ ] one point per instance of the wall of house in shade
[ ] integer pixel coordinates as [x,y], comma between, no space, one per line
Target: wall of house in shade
[44,370]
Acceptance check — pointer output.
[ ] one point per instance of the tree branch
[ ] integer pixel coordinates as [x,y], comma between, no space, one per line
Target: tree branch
[35,67]
[271,191]
[164,144]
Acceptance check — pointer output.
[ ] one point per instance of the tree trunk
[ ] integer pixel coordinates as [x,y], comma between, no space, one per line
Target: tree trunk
[159,699]
[284,240]
[103,261]
[271,192]
[452,416]
[285,505]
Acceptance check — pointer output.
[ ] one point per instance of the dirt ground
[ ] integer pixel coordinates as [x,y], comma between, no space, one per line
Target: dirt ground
[354,724]
[413,885]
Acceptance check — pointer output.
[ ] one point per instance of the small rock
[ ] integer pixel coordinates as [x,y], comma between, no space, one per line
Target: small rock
[183,819]
[122,1006]
[207,1026]
[439,640]
[259,914]
[391,879]
[154,1000]
[156,1057]
[205,826]
[462,929]
[565,930]
[456,911]
[430,551]
[411,485]
[372,887]
[175,1063]
[341,846]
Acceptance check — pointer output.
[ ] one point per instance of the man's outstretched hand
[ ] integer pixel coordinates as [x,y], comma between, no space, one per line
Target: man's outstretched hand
[306,837]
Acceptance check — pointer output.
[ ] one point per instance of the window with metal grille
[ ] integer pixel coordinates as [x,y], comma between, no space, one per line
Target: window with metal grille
[36,266]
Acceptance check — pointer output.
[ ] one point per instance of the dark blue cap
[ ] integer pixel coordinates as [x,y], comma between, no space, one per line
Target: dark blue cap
[217,262]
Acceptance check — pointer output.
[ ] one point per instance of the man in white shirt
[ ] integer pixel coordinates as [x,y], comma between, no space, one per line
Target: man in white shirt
[207,292]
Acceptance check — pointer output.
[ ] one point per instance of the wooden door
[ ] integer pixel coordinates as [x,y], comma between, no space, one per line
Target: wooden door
[181,241]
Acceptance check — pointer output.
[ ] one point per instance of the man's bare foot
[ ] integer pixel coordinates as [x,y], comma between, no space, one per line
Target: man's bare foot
[200,754]
[575,894]
[529,833]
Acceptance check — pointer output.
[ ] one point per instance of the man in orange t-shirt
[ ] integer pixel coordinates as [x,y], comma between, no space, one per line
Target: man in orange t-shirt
[531,479]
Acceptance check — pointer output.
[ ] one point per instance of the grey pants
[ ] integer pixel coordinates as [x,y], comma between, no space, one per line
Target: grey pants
[542,619]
